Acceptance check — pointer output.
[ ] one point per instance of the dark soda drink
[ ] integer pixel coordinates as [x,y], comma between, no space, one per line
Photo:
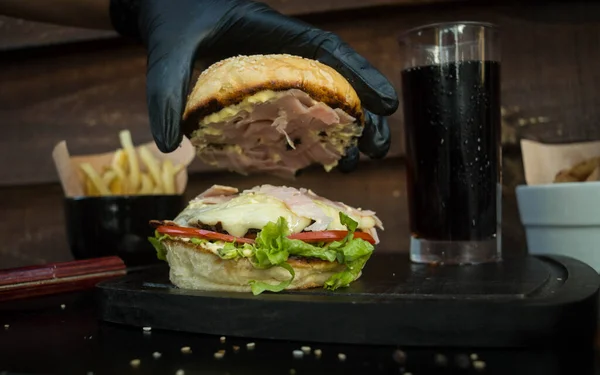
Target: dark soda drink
[453,158]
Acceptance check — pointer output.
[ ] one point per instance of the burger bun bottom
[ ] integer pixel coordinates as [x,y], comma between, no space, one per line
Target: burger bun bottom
[194,267]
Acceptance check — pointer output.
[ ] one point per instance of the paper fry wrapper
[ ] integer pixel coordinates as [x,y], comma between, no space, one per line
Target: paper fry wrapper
[72,178]
[550,163]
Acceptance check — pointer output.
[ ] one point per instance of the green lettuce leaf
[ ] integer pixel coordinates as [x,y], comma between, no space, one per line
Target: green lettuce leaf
[259,286]
[156,241]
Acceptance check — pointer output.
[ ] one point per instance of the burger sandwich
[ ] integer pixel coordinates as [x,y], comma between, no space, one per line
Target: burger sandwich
[272,114]
[267,238]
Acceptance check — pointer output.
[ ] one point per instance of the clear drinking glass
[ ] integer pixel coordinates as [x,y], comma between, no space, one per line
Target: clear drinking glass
[451,100]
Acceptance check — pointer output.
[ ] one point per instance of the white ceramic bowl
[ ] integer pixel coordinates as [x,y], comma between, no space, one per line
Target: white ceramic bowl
[562,219]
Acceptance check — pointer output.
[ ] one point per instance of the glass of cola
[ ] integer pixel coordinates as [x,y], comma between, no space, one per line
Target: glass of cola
[451,103]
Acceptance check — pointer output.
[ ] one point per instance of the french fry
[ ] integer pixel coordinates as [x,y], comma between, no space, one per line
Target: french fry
[95,179]
[178,168]
[133,182]
[152,165]
[89,187]
[168,177]
[131,172]
[108,176]
[119,165]
[147,186]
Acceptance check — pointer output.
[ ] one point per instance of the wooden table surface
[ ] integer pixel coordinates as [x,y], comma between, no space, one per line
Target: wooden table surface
[61,335]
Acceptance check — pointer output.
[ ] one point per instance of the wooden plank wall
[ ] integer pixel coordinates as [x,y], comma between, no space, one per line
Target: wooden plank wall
[84,87]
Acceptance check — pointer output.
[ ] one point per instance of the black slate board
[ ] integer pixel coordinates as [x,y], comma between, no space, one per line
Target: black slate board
[533,301]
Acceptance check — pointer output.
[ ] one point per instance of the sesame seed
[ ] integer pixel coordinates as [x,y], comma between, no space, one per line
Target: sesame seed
[250,346]
[147,329]
[305,349]
[6,326]
[474,357]
[298,354]
[180,372]
[236,348]
[341,357]
[220,354]
[399,356]
[222,339]
[63,306]
[318,353]
[90,373]
[186,350]
[156,355]
[292,372]
[479,365]
[135,362]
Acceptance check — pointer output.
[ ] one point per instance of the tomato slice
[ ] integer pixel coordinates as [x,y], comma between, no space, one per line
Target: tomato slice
[321,236]
[329,235]
[201,233]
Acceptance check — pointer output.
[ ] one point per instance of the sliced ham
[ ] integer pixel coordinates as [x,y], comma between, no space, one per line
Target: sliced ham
[279,137]
[301,202]
[298,203]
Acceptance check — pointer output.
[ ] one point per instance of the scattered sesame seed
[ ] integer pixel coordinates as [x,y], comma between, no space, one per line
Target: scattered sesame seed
[479,365]
[236,348]
[559,278]
[298,354]
[305,349]
[408,373]
[6,326]
[250,346]
[393,273]
[220,354]
[156,355]
[341,357]
[135,362]
[399,356]
[63,306]
[180,372]
[222,339]
[318,353]
[90,373]
[186,350]
[147,329]
[474,357]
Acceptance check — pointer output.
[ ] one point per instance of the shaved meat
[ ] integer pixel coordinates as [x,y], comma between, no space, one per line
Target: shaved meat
[303,203]
[298,203]
[344,208]
[279,137]
[216,194]
[218,190]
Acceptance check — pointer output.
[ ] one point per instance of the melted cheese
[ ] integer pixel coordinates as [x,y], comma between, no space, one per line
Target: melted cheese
[364,222]
[237,216]
[255,210]
[232,110]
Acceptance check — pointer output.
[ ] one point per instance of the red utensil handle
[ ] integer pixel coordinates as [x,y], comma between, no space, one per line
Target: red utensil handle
[58,277]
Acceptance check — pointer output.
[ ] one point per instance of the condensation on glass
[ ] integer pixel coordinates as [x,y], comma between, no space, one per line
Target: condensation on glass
[451,101]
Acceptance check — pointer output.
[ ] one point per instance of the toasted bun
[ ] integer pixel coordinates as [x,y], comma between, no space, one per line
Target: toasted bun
[229,81]
[194,267]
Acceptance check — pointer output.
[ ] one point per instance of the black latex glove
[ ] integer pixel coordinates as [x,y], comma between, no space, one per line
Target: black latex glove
[176,32]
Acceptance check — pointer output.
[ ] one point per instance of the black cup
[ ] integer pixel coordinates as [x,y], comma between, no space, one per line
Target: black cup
[117,225]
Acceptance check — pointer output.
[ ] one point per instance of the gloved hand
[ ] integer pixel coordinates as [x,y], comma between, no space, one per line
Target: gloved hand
[176,32]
